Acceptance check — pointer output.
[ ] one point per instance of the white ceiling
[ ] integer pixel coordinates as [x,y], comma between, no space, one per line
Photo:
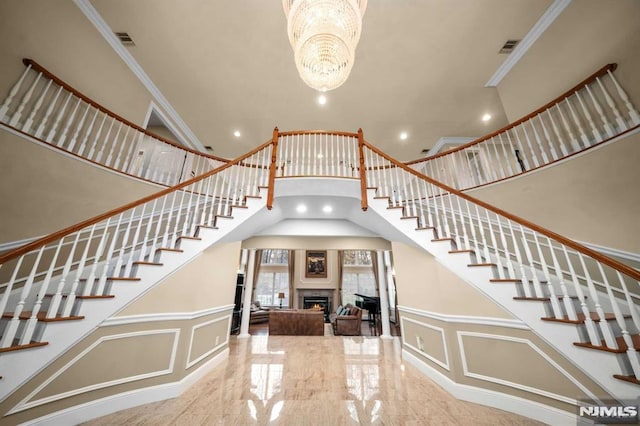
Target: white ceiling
[420,67]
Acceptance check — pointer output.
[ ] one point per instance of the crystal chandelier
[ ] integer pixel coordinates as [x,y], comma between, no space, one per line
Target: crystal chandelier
[324,35]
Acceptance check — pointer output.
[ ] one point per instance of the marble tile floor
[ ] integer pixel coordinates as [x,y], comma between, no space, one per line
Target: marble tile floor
[315,380]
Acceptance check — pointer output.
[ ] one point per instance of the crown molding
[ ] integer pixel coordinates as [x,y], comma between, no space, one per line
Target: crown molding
[103,28]
[527,41]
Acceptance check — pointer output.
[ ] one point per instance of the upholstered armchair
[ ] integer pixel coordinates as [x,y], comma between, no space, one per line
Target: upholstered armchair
[348,323]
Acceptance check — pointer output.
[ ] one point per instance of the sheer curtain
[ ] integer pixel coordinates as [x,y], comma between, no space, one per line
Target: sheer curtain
[291,269]
[374,266]
[340,260]
[256,273]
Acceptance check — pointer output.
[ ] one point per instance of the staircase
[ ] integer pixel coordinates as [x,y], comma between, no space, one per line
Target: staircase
[61,287]
[582,303]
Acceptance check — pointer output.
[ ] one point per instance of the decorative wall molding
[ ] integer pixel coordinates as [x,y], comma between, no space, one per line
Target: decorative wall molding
[442,364]
[165,316]
[217,345]
[464,319]
[527,41]
[520,386]
[534,410]
[103,28]
[101,407]
[27,403]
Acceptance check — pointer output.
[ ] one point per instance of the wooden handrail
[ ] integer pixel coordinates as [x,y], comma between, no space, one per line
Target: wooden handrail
[602,71]
[78,226]
[627,270]
[363,172]
[318,132]
[272,169]
[39,68]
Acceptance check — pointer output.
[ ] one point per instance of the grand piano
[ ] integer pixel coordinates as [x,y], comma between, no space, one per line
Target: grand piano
[372,305]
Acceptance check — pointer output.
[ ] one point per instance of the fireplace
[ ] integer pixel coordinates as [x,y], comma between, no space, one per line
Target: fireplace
[317,302]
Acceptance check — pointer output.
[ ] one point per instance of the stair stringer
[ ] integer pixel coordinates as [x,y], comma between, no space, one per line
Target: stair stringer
[599,365]
[20,366]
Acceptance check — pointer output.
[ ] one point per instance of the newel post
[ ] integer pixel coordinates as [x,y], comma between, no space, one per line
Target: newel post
[272,169]
[363,172]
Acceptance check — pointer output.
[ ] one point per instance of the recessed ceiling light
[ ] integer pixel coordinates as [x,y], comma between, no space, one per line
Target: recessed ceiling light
[327,209]
[404,135]
[486,117]
[322,99]
[236,133]
[301,208]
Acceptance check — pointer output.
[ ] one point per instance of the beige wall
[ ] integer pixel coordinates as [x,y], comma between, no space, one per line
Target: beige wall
[317,243]
[501,359]
[592,198]
[586,36]
[56,34]
[208,280]
[423,283]
[43,191]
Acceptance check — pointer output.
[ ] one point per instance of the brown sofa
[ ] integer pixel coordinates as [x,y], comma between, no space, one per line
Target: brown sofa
[296,322]
[347,323]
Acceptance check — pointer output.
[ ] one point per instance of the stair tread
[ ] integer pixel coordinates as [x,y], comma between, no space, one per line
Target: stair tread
[207,226]
[473,265]
[461,251]
[581,318]
[442,239]
[17,347]
[239,206]
[123,278]
[187,237]
[424,228]
[97,296]
[540,299]
[504,280]
[622,345]
[144,262]
[409,217]
[42,316]
[631,379]
[170,249]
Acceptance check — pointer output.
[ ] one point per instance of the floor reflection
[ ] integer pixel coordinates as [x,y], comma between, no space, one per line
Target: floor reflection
[300,380]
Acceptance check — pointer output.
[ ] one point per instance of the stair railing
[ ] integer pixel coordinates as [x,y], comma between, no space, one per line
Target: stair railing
[43,106]
[591,113]
[45,278]
[578,284]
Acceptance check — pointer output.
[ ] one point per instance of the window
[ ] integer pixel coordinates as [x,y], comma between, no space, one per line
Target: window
[273,278]
[357,275]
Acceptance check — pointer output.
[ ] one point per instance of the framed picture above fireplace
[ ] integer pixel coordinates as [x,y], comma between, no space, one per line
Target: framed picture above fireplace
[316,264]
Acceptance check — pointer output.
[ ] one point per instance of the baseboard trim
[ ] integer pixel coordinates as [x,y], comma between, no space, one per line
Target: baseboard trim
[489,398]
[122,401]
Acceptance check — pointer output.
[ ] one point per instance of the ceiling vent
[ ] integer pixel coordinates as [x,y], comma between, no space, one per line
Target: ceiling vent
[509,46]
[125,39]
[208,148]
[425,151]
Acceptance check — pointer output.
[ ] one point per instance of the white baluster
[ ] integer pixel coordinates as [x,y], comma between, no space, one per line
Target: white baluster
[47,114]
[605,328]
[485,247]
[507,253]
[619,316]
[12,93]
[600,111]
[56,123]
[588,322]
[632,353]
[556,131]
[555,303]
[26,127]
[633,113]
[70,120]
[622,126]
[583,135]
[536,163]
[11,329]
[15,118]
[69,301]
[79,127]
[535,281]
[56,298]
[116,163]
[545,132]
[545,159]
[522,276]
[101,286]
[30,326]
[9,287]
[91,277]
[120,261]
[492,235]
[575,145]
[92,149]
[507,156]
[104,142]
[592,124]
[566,298]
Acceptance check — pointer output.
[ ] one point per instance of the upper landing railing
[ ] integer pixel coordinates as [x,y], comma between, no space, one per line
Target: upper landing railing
[43,106]
[593,112]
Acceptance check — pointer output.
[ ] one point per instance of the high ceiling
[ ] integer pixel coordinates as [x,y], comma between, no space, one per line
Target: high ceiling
[421,67]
